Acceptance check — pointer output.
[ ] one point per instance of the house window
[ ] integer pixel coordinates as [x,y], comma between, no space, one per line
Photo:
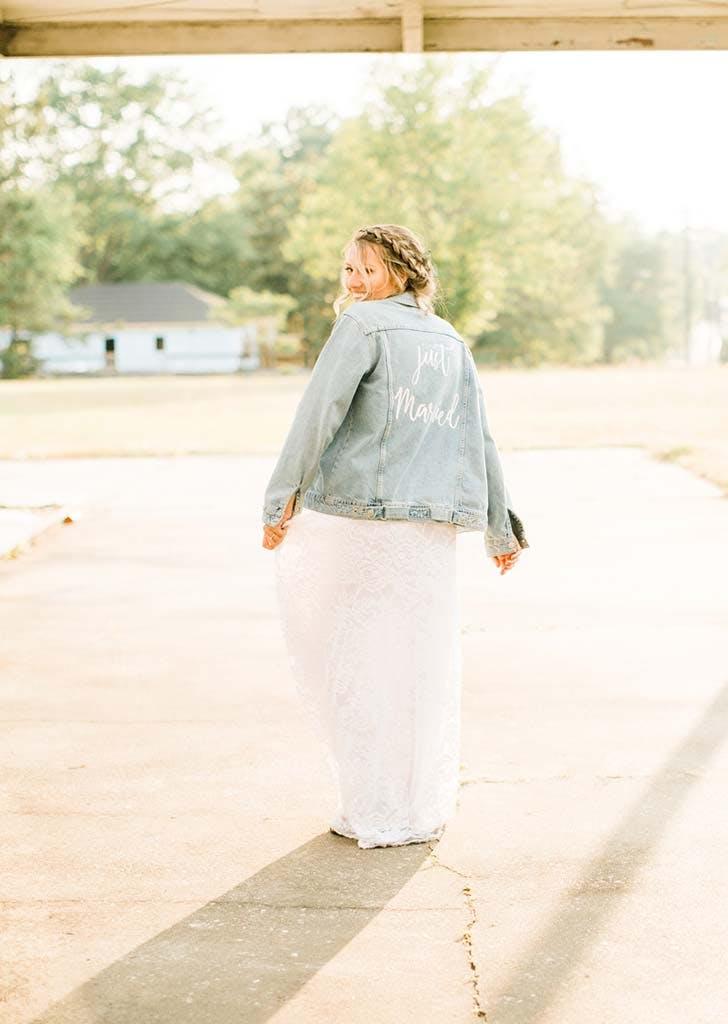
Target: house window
[159,342]
[110,343]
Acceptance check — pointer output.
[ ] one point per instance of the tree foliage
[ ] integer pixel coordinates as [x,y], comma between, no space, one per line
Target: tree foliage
[111,175]
[38,245]
[517,243]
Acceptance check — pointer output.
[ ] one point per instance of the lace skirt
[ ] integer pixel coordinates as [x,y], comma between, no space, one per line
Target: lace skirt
[370,616]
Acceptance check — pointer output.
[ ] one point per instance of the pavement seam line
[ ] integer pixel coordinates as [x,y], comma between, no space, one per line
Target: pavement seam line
[504,781]
[83,901]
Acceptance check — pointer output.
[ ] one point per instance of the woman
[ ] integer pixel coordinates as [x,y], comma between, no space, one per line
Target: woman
[390,441]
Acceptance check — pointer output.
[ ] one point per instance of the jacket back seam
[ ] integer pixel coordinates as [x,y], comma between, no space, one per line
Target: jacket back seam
[388,424]
[404,327]
[463,436]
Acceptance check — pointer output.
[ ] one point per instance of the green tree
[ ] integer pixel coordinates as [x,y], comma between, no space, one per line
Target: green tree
[23,126]
[244,305]
[210,247]
[268,312]
[517,243]
[130,152]
[635,295]
[38,245]
[275,176]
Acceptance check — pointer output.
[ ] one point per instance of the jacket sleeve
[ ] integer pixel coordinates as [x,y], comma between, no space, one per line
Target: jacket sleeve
[499,534]
[347,355]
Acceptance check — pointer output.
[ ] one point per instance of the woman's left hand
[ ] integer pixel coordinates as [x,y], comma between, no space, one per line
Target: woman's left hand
[506,561]
[274,534]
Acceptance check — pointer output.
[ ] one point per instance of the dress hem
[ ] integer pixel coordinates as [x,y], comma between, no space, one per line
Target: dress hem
[394,837]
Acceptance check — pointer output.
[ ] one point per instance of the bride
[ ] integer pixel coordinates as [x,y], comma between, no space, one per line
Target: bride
[369,500]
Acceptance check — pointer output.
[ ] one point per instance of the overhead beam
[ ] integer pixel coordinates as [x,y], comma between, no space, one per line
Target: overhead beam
[126,38]
[683,32]
[413,35]
[381,35]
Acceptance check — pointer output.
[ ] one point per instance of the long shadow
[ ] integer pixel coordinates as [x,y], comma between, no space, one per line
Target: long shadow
[242,956]
[558,948]
[245,954]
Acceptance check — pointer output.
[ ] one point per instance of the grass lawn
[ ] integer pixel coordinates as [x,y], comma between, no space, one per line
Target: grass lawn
[678,414]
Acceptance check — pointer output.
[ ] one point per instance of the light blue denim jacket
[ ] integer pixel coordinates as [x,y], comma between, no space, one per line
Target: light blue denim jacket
[392,425]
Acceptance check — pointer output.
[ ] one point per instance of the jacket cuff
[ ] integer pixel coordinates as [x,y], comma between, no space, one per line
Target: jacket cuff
[272,514]
[500,545]
[273,517]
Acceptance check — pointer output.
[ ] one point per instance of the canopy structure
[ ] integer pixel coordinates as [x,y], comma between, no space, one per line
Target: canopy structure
[61,28]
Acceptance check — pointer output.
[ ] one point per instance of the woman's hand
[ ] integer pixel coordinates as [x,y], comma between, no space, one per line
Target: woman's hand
[274,534]
[508,560]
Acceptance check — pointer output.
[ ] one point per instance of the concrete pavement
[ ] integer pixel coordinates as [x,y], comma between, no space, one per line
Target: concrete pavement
[28,508]
[21,525]
[166,852]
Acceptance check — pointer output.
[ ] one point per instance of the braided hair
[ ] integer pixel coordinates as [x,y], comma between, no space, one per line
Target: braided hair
[406,258]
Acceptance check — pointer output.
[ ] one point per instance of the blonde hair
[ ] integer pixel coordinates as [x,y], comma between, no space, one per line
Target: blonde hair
[408,262]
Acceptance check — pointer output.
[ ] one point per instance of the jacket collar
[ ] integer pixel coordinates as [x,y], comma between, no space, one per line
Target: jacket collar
[407,298]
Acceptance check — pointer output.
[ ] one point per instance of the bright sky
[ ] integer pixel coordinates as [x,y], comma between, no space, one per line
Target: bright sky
[647,128]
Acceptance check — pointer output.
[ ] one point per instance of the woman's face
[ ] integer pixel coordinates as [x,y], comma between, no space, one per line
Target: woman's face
[373,276]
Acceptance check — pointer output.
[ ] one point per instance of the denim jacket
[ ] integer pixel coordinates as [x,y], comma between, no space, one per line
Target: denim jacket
[392,425]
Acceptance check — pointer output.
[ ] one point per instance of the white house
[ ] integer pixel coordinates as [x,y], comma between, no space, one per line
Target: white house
[147,327]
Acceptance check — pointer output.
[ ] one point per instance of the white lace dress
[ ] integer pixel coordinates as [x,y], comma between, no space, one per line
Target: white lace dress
[371,621]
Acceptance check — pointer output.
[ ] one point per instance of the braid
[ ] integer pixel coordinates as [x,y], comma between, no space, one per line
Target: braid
[406,256]
[409,254]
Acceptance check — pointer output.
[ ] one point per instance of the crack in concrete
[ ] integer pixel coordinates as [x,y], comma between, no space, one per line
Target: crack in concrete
[467,941]
[467,937]
[520,778]
[686,773]
[435,862]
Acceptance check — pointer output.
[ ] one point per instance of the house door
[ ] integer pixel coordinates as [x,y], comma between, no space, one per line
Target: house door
[110,350]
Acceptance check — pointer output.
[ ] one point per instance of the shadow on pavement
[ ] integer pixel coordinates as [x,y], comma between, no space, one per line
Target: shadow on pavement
[245,954]
[556,951]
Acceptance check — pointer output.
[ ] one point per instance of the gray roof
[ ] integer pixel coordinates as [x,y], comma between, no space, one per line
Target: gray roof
[148,302]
